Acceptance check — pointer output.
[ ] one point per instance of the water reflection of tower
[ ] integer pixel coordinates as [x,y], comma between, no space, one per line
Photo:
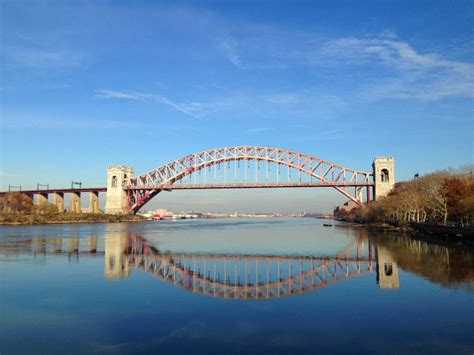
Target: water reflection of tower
[116,265]
[387,269]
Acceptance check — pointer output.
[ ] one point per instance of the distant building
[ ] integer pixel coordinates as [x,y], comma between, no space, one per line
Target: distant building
[162,212]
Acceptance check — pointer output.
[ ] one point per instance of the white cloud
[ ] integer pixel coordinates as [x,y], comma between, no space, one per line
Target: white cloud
[391,68]
[406,73]
[191,109]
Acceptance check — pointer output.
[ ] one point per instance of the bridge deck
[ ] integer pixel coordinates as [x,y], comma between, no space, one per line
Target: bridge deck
[247,185]
[51,191]
[256,185]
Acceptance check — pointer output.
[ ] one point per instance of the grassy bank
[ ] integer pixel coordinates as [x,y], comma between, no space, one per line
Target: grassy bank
[17,208]
[59,218]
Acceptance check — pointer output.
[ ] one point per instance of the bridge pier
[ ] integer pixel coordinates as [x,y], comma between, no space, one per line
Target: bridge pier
[94,202]
[58,201]
[75,202]
[41,199]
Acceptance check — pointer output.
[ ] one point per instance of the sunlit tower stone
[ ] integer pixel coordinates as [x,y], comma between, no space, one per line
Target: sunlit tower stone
[117,178]
[387,270]
[384,175]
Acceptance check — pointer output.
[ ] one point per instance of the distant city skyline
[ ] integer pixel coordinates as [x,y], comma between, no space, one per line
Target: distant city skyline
[89,84]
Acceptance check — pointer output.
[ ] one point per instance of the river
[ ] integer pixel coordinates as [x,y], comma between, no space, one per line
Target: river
[231,286]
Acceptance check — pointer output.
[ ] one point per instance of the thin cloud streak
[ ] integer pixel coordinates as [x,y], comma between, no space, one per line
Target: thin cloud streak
[30,57]
[61,123]
[192,109]
[9,174]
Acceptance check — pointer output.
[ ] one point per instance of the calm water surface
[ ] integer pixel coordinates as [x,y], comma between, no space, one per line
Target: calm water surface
[231,286]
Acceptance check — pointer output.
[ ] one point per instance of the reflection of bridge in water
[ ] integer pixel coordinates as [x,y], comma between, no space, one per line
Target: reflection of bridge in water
[241,276]
[257,276]
[244,276]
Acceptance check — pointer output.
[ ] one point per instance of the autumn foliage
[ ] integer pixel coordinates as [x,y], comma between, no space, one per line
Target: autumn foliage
[443,196]
[18,208]
[15,202]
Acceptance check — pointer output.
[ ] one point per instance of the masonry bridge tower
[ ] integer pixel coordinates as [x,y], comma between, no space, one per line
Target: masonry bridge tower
[384,176]
[117,181]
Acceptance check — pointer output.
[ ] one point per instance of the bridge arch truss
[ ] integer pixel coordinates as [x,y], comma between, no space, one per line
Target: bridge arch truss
[349,182]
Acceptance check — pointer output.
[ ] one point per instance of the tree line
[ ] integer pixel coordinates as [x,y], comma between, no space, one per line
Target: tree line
[18,208]
[19,203]
[443,197]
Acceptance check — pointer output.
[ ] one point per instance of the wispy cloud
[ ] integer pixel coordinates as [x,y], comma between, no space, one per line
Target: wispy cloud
[9,174]
[228,47]
[390,51]
[32,57]
[391,67]
[192,108]
[408,73]
[60,123]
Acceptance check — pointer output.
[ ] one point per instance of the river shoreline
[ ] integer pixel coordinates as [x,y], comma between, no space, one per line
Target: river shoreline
[439,239]
[66,218]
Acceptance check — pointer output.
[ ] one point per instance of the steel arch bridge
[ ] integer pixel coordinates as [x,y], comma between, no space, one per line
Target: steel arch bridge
[320,172]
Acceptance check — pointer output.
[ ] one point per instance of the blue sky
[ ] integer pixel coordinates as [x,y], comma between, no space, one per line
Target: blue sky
[86,84]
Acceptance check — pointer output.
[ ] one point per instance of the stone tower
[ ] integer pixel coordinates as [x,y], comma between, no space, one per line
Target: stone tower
[384,175]
[117,177]
[387,270]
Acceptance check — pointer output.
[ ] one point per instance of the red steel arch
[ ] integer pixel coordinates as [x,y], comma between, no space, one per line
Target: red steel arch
[143,188]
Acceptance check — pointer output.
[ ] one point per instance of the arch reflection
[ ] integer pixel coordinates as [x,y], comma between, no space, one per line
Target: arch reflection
[247,276]
[256,276]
